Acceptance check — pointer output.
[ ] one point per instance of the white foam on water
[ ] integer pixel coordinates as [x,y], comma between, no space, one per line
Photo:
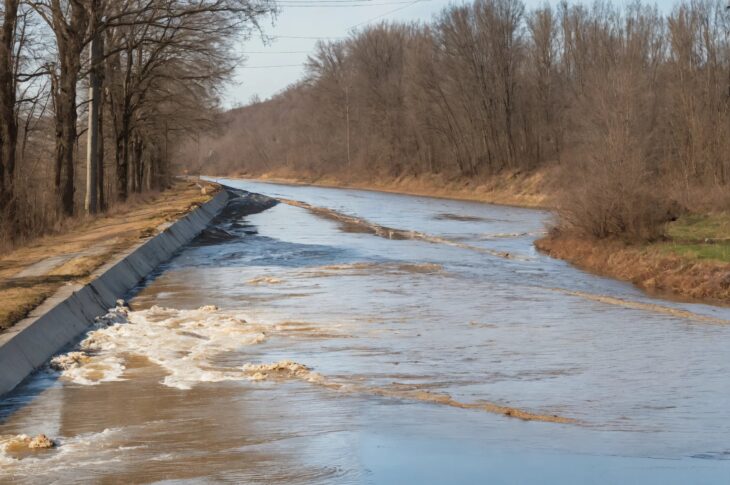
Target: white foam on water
[285,369]
[96,370]
[183,342]
[86,449]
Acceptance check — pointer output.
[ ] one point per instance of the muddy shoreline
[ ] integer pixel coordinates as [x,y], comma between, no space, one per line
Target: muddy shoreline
[663,275]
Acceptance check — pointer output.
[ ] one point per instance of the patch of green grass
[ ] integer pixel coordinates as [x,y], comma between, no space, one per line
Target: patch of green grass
[699,236]
[698,227]
[711,251]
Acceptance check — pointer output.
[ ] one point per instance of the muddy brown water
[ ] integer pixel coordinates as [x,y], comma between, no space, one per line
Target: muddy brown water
[288,347]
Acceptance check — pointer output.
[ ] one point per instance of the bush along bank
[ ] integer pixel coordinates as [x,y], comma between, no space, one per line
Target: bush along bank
[691,260]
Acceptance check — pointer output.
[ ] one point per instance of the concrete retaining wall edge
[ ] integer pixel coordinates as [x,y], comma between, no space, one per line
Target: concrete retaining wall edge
[63,317]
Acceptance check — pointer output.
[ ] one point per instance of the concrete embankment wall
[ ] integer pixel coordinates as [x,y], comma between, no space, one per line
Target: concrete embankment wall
[63,317]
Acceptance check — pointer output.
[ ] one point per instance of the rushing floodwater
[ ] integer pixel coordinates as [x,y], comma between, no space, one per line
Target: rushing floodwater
[292,347]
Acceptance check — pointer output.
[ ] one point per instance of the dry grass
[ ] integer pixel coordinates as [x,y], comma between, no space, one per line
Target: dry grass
[533,189]
[34,271]
[654,267]
[17,302]
[79,266]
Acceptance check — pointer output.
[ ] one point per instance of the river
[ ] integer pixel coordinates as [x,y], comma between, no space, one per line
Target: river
[350,336]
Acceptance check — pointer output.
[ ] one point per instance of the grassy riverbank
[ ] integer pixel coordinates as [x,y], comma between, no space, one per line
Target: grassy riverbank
[691,261]
[33,272]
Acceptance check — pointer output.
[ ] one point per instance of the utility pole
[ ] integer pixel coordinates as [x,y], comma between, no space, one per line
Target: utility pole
[101,194]
[96,55]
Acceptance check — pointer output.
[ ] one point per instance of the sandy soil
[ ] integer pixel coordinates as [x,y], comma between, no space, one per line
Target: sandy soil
[32,273]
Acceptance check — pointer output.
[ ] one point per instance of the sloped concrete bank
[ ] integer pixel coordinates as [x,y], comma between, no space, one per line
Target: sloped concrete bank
[63,317]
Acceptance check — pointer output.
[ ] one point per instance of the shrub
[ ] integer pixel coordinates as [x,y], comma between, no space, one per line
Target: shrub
[615,201]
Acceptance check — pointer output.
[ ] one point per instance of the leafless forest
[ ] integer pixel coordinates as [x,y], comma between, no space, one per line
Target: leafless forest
[95,94]
[631,105]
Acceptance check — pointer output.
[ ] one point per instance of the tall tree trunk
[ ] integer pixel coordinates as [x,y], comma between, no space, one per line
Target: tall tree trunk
[8,121]
[70,42]
[69,23]
[92,146]
[137,163]
[122,163]
[100,179]
[66,135]
[96,74]
[123,112]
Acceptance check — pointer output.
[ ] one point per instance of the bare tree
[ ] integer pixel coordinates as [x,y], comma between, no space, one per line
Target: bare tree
[163,66]
[69,22]
[8,87]
[633,105]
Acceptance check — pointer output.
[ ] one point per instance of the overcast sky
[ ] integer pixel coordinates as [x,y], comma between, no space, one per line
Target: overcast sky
[297,28]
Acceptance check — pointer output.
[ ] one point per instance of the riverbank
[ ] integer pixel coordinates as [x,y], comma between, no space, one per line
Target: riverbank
[692,262]
[533,189]
[322,342]
[32,273]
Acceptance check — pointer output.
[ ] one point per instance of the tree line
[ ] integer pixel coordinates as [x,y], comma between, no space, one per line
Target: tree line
[95,95]
[631,104]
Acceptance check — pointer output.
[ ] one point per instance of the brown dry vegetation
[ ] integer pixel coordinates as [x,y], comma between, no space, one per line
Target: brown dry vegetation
[30,274]
[626,107]
[653,267]
[629,105]
[525,189]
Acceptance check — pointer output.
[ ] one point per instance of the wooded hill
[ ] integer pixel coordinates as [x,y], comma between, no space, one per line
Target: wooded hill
[632,104]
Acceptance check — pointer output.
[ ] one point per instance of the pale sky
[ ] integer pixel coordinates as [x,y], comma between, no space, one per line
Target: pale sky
[297,28]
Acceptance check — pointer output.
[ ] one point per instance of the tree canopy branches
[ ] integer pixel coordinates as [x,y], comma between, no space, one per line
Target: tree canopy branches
[161,65]
[631,104]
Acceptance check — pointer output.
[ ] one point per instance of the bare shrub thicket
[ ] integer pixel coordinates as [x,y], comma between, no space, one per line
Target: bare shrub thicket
[161,65]
[632,104]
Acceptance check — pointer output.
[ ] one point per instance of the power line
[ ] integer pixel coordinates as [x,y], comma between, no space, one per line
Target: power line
[277,52]
[272,67]
[326,1]
[387,13]
[287,4]
[303,37]
[407,5]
